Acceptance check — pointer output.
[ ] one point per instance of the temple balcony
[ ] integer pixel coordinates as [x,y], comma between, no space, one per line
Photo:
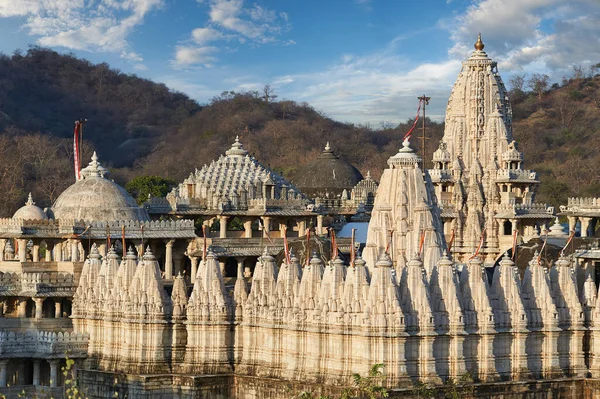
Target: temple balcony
[581,206]
[440,175]
[42,344]
[38,283]
[516,175]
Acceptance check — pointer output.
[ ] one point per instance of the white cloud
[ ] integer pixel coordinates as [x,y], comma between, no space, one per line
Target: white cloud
[205,35]
[526,34]
[102,25]
[257,23]
[185,56]
[231,20]
[131,56]
[373,88]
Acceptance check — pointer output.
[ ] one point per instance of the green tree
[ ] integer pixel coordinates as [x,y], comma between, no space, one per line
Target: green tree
[142,186]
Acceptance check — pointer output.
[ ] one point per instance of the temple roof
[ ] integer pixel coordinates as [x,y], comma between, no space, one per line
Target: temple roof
[30,211]
[94,197]
[236,182]
[327,176]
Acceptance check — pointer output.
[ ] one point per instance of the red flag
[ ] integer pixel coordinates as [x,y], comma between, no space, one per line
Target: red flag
[514,245]
[76,165]
[265,230]
[286,248]
[142,251]
[352,252]
[421,242]
[334,248]
[562,252]
[204,242]
[307,246]
[107,237]
[123,240]
[539,258]
[387,247]
[451,242]
[409,133]
[479,246]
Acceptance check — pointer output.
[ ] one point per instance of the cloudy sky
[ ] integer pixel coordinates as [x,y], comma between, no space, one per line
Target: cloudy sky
[363,61]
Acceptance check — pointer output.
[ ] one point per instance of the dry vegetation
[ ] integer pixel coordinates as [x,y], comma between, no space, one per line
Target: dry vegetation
[141,128]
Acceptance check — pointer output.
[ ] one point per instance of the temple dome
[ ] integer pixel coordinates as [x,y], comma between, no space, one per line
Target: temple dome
[512,154]
[442,154]
[94,197]
[405,157]
[30,211]
[327,176]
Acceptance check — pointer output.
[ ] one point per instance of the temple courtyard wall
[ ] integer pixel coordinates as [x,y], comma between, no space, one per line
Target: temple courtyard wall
[97,384]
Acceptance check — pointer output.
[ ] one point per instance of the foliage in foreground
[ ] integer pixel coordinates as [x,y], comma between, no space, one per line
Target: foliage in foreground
[367,387]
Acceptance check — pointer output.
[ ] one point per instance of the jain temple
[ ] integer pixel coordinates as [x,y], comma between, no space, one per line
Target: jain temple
[146,303]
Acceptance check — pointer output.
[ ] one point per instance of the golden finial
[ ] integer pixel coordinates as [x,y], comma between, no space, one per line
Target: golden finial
[479,45]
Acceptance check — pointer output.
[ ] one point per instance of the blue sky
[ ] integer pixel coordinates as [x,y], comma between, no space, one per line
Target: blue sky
[362,61]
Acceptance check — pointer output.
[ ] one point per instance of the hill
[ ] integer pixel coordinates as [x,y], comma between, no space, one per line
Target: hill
[142,128]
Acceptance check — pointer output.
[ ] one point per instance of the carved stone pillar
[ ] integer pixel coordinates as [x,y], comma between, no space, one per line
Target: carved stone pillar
[3,363]
[22,310]
[36,371]
[53,372]
[222,264]
[169,260]
[572,223]
[240,267]
[194,260]
[248,229]
[75,250]
[301,228]
[585,224]
[58,252]
[223,226]
[35,253]
[39,302]
[22,250]
[57,308]
[49,249]
[320,224]
[266,225]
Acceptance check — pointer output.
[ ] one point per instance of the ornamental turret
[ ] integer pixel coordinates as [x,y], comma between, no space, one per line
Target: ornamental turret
[480,185]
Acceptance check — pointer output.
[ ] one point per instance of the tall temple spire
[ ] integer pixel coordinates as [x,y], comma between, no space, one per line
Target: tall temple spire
[478,176]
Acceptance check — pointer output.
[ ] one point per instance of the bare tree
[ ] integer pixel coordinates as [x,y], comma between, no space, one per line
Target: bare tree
[539,84]
[269,94]
[578,72]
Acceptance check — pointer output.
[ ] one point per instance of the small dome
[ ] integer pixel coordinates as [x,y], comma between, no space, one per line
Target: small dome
[406,156]
[94,197]
[327,176]
[442,154]
[512,154]
[30,211]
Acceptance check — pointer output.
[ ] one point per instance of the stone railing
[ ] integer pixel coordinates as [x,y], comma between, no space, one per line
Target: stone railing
[515,174]
[48,282]
[581,204]
[158,205]
[42,344]
[440,174]
[520,209]
[263,204]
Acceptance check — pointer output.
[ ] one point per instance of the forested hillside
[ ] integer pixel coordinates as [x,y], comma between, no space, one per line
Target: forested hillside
[142,128]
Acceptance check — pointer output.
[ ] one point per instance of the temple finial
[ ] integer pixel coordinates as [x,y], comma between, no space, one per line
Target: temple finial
[479,44]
